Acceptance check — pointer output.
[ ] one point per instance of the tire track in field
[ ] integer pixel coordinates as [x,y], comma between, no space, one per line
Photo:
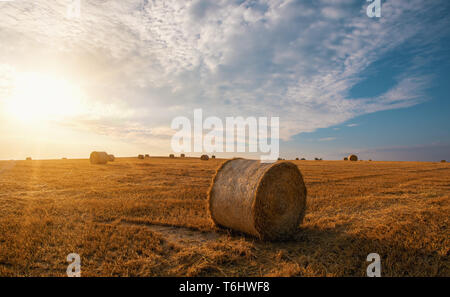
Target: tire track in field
[177,234]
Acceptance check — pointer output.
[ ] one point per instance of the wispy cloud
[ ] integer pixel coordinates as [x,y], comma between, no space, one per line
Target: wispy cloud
[327,139]
[243,58]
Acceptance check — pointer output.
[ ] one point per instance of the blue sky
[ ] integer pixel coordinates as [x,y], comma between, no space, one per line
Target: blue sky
[420,132]
[340,82]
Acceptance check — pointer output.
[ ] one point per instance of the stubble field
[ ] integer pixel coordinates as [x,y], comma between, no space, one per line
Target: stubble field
[149,218]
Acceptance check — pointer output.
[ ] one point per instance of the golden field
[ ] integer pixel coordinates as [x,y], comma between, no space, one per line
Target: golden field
[149,218]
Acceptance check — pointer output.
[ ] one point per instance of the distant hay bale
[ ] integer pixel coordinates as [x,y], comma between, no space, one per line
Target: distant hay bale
[99,158]
[204,158]
[370,160]
[280,159]
[345,159]
[266,200]
[182,156]
[111,158]
[171,156]
[353,158]
[213,157]
[64,158]
[141,157]
[296,159]
[147,156]
[443,161]
[303,159]
[28,159]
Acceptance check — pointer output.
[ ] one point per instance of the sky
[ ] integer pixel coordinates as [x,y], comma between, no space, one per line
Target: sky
[114,77]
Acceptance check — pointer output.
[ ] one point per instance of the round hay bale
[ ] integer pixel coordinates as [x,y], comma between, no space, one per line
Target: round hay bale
[171,156]
[111,158]
[296,159]
[182,156]
[213,157]
[141,157]
[28,159]
[99,158]
[303,159]
[261,199]
[345,159]
[353,158]
[147,156]
[443,161]
[204,158]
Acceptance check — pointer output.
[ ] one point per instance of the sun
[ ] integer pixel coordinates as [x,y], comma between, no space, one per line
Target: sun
[40,97]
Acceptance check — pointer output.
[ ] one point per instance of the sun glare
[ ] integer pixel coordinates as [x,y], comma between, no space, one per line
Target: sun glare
[41,97]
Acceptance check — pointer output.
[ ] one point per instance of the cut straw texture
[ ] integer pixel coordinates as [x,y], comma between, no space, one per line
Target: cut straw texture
[264,200]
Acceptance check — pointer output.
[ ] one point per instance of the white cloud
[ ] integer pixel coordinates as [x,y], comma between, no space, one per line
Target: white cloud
[327,139]
[247,58]
[333,13]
